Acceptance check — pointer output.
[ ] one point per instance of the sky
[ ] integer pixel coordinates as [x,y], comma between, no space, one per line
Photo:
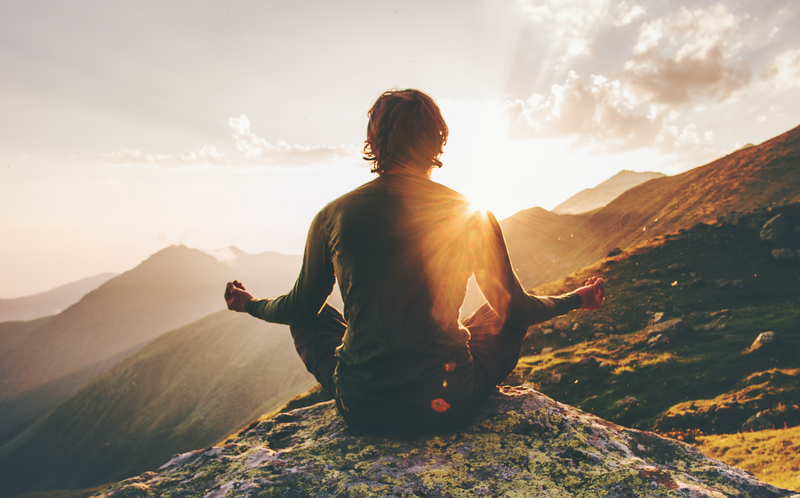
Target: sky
[126,127]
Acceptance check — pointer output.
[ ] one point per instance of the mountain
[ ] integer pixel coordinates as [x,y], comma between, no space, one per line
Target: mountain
[590,199]
[43,361]
[187,389]
[521,443]
[544,246]
[51,302]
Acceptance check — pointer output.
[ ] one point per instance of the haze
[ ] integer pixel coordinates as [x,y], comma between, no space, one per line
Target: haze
[128,127]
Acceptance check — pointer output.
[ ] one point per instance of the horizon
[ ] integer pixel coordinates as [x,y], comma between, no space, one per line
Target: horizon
[131,128]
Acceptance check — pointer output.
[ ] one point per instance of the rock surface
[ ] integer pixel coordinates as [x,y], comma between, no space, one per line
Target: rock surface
[521,444]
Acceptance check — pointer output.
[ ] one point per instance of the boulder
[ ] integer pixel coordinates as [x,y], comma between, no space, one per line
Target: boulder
[757,422]
[521,443]
[628,401]
[774,230]
[764,340]
[783,255]
[670,328]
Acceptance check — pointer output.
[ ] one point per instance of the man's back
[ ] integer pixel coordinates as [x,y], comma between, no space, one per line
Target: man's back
[402,260]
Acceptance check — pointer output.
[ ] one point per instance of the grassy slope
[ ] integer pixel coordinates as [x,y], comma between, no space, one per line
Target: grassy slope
[772,455]
[185,390]
[700,365]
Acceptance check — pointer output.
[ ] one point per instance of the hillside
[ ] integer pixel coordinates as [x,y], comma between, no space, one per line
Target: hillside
[51,302]
[596,197]
[726,287]
[544,246]
[44,361]
[187,389]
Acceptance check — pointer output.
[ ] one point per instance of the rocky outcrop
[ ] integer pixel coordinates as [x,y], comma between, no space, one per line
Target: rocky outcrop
[521,444]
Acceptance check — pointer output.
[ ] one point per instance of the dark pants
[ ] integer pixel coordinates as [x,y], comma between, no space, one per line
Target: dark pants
[495,350]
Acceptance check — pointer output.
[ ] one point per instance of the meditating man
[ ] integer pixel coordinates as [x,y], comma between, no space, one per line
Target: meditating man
[402,249]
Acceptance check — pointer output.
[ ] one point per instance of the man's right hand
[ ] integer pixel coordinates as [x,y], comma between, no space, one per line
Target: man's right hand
[236,296]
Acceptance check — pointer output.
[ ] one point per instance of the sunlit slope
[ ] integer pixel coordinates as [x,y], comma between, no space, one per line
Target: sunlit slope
[173,287]
[772,455]
[50,302]
[544,246]
[596,197]
[728,289]
[186,390]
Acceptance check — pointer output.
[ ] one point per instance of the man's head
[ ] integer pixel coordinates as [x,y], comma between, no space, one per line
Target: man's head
[405,130]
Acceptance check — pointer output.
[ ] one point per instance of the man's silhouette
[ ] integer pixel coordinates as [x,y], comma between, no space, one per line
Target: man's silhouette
[402,249]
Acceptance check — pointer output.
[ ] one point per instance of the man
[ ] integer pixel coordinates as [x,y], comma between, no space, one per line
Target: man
[402,249]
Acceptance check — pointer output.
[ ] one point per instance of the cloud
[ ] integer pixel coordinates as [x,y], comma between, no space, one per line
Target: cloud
[599,112]
[568,22]
[603,115]
[686,56]
[784,70]
[253,151]
[257,150]
[626,14]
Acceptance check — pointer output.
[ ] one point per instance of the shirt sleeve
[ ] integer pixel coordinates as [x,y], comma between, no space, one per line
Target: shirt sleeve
[311,290]
[500,285]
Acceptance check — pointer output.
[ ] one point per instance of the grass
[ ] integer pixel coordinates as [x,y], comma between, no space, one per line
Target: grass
[772,455]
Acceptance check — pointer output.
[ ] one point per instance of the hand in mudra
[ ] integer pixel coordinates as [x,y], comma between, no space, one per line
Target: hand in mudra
[592,294]
[236,296]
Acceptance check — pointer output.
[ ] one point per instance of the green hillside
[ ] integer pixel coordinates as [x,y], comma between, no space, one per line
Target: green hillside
[185,390]
[726,287]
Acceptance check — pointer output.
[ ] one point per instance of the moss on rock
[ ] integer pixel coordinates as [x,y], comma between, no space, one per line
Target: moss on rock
[522,443]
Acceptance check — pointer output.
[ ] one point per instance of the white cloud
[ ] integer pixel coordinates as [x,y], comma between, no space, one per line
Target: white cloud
[569,23]
[257,149]
[599,112]
[628,13]
[254,151]
[784,70]
[688,56]
[604,116]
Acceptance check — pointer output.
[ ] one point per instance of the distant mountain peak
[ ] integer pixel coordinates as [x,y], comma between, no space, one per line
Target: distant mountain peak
[597,197]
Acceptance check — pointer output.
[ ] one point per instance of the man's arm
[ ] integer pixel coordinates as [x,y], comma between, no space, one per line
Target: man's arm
[310,291]
[505,294]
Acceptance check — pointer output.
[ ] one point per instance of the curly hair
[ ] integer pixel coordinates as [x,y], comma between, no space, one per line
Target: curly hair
[406,129]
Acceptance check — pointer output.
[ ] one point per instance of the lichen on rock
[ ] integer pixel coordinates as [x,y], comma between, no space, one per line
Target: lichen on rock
[521,443]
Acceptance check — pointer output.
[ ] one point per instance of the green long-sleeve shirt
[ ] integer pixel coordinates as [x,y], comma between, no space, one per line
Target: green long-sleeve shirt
[402,249]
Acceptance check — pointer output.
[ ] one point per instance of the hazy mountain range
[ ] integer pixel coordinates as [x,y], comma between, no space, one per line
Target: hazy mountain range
[45,360]
[51,302]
